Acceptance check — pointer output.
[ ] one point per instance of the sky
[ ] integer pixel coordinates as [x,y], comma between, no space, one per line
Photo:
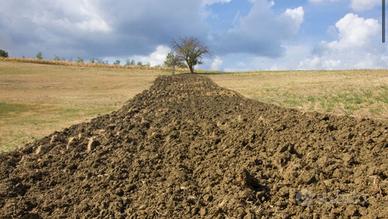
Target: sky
[242,35]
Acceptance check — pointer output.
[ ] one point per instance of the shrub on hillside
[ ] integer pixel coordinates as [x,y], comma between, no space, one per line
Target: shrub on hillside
[39,56]
[173,61]
[80,60]
[3,53]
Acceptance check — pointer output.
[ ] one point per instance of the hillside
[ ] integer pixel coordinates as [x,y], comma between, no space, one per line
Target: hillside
[189,148]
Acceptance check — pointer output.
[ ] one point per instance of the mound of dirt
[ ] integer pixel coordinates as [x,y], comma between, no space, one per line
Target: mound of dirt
[187,148]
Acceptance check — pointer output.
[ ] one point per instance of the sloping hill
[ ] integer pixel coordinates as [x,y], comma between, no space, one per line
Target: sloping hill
[188,148]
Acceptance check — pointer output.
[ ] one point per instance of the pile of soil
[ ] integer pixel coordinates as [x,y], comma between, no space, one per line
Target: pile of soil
[187,148]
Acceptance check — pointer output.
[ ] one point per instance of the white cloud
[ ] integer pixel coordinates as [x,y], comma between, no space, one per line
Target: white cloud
[69,15]
[357,46]
[155,58]
[216,64]
[356,5]
[96,28]
[323,1]
[261,38]
[261,31]
[364,5]
[355,32]
[296,16]
[128,28]
[211,2]
[159,55]
[289,60]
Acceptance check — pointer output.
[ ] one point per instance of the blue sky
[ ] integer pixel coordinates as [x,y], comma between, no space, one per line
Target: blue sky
[241,34]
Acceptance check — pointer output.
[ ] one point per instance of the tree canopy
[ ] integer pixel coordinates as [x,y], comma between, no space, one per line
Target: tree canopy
[191,51]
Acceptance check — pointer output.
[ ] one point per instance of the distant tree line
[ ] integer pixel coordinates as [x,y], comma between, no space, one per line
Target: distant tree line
[186,52]
[129,62]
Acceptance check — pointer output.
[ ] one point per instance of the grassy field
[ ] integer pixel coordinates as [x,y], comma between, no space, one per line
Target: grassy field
[362,93]
[37,99]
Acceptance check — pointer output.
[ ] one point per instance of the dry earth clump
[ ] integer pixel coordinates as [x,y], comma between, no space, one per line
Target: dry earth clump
[187,148]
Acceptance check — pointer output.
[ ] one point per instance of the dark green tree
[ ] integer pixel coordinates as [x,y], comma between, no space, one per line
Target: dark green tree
[39,56]
[173,61]
[3,53]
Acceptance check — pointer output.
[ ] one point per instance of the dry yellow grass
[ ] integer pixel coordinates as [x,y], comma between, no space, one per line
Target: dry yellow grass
[361,93]
[37,99]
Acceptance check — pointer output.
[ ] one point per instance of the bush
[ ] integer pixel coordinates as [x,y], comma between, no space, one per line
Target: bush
[173,61]
[130,62]
[80,60]
[39,56]
[3,53]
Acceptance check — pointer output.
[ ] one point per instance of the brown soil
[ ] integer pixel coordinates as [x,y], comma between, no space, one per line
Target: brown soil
[187,148]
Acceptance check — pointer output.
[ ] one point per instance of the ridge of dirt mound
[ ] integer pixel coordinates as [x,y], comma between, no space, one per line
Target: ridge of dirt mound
[187,148]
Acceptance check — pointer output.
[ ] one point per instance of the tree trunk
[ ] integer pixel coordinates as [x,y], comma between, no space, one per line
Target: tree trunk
[191,69]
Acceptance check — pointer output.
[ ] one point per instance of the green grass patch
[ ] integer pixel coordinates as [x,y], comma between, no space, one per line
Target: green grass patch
[348,101]
[383,94]
[10,108]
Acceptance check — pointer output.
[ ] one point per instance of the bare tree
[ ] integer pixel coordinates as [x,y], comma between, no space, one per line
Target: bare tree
[191,50]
